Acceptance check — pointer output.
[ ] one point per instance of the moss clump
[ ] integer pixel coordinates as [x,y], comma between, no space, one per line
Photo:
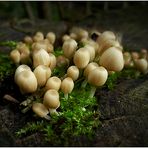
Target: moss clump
[77,116]
[7,68]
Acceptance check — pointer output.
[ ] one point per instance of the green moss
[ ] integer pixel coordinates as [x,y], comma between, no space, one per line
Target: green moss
[7,68]
[77,116]
[11,44]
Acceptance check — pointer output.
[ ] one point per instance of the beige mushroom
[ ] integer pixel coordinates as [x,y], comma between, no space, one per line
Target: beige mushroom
[112,59]
[67,86]
[40,110]
[97,77]
[42,74]
[53,83]
[51,100]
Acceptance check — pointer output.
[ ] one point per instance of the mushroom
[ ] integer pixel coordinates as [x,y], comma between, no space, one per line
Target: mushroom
[53,83]
[20,69]
[41,57]
[15,56]
[42,73]
[73,72]
[51,37]
[97,77]
[42,45]
[28,40]
[86,72]
[52,61]
[51,100]
[40,110]
[91,51]
[62,61]
[26,81]
[38,36]
[141,65]
[65,37]
[112,59]
[135,55]
[81,58]
[25,59]
[127,59]
[143,53]
[67,86]
[69,47]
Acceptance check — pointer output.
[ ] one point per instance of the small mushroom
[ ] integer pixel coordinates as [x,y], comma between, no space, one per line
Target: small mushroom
[69,47]
[26,81]
[51,37]
[40,110]
[81,58]
[91,51]
[127,59]
[97,77]
[67,86]
[112,59]
[53,61]
[39,36]
[41,57]
[51,100]
[86,72]
[42,73]
[65,37]
[28,40]
[20,69]
[53,83]
[141,65]
[73,72]
[62,61]
[15,56]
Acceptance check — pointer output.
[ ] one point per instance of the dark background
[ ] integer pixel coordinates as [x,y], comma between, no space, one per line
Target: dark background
[127,18]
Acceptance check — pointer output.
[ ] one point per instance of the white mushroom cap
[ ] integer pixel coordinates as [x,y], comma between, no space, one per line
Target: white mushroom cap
[41,57]
[15,56]
[51,99]
[53,61]
[53,83]
[26,81]
[20,69]
[69,47]
[81,58]
[89,68]
[73,72]
[141,65]
[51,37]
[112,59]
[67,85]
[42,73]
[40,110]
[98,76]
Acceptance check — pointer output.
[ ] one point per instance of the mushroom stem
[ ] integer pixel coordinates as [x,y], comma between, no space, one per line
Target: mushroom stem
[66,96]
[84,83]
[53,111]
[47,117]
[92,91]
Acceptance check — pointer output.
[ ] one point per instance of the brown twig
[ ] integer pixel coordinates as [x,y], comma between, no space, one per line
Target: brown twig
[10,98]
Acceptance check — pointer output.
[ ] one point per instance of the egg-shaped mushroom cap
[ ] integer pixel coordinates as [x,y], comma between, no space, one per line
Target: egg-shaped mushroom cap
[51,99]
[112,59]
[67,85]
[141,65]
[81,58]
[98,76]
[40,109]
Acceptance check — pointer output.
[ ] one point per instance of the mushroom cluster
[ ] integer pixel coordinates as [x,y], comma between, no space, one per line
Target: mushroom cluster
[83,57]
[136,59]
